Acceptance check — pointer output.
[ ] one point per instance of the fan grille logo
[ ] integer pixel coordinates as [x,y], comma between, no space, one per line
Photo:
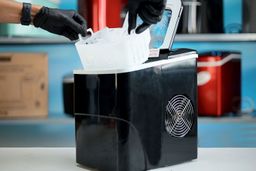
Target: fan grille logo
[179,116]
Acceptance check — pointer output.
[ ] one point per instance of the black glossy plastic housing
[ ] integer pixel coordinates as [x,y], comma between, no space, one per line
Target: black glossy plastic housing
[120,118]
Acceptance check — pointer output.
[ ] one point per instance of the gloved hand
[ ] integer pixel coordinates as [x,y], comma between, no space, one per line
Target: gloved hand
[67,23]
[150,11]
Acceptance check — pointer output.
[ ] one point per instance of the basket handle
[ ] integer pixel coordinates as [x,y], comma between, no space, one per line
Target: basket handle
[89,34]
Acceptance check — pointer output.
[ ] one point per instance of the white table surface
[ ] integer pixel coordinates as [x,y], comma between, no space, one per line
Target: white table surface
[63,159]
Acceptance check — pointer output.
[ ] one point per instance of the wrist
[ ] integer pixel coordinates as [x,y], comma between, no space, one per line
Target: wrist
[34,10]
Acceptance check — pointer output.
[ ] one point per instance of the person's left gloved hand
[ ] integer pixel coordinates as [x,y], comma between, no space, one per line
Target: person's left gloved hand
[150,11]
[67,23]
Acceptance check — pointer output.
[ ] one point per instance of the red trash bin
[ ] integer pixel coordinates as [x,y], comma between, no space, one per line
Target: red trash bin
[219,83]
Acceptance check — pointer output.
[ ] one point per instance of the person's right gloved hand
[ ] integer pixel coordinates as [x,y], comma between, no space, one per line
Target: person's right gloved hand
[150,11]
[67,23]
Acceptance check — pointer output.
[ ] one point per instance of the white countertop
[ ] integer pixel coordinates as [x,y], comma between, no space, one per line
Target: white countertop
[63,159]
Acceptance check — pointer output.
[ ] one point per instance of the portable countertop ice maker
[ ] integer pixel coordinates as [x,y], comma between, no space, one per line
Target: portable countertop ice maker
[141,118]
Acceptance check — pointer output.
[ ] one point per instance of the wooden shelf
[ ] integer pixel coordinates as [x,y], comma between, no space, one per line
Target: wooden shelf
[39,121]
[243,37]
[34,40]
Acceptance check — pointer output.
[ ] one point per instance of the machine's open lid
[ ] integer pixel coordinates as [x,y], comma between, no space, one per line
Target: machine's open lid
[163,33]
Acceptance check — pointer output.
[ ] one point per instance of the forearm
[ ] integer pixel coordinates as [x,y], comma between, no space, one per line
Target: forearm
[10,11]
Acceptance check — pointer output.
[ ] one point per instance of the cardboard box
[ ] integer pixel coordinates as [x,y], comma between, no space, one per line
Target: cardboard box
[23,85]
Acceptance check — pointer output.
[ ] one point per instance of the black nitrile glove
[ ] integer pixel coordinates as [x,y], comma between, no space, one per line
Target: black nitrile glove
[67,23]
[150,11]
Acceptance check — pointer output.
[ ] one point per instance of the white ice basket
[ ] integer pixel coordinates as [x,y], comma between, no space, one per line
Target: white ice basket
[111,49]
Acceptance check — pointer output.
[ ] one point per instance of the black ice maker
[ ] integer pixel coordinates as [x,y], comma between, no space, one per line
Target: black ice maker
[141,118]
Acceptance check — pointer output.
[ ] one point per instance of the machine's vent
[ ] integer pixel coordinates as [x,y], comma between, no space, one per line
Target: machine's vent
[179,116]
